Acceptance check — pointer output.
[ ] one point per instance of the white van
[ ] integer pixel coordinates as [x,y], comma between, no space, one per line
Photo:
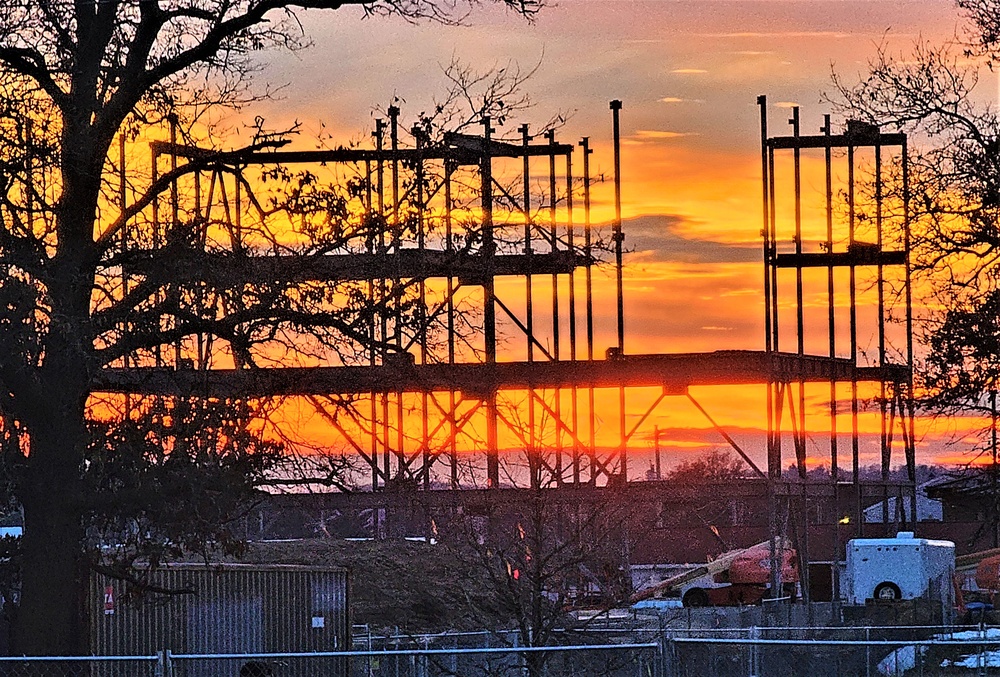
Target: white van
[897,568]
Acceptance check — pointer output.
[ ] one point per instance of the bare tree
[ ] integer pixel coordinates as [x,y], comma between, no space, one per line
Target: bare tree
[75,76]
[542,557]
[933,93]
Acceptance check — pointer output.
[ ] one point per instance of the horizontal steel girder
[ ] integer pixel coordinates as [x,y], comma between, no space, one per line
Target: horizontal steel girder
[462,148]
[228,269]
[224,270]
[674,372]
[841,259]
[869,139]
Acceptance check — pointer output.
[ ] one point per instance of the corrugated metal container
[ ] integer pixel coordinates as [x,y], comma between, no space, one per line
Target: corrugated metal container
[223,608]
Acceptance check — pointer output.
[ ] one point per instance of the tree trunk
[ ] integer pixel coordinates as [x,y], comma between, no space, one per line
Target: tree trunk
[50,616]
[534,663]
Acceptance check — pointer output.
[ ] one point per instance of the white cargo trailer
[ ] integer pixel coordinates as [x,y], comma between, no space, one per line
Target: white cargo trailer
[898,568]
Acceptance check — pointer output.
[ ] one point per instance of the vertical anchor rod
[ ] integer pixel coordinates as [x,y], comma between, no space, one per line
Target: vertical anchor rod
[831,304]
[910,422]
[528,286]
[571,240]
[765,228]
[855,442]
[383,289]
[827,131]
[884,440]
[450,247]
[800,451]
[766,167]
[767,190]
[428,459]
[619,237]
[397,242]
[489,303]
[556,328]
[589,284]
[373,319]
[174,221]
[774,448]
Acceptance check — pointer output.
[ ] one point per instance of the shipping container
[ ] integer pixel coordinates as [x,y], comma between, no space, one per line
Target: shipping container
[224,609]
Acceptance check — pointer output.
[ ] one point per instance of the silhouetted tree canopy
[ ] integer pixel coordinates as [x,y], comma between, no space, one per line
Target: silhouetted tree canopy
[715,465]
[74,78]
[935,93]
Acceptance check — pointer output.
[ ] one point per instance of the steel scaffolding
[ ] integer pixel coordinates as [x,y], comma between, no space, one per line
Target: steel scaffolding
[873,235]
[474,263]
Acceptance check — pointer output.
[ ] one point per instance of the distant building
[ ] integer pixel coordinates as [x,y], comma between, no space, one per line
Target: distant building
[965,495]
[928,509]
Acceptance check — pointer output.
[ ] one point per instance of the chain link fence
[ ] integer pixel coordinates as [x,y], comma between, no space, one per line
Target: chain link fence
[89,666]
[611,660]
[890,651]
[607,660]
[875,651]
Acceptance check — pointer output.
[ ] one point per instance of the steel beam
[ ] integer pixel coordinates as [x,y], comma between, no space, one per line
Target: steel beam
[857,140]
[857,257]
[674,372]
[228,269]
[461,148]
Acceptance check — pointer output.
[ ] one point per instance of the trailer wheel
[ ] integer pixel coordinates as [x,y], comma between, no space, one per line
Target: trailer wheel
[695,597]
[888,592]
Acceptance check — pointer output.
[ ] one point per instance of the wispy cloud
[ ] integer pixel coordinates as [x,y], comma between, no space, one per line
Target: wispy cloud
[776,34]
[661,134]
[689,71]
[677,99]
[666,238]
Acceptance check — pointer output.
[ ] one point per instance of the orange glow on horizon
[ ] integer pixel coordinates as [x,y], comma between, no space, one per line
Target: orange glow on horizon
[688,74]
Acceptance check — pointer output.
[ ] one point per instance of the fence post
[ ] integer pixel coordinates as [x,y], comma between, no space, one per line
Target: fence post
[868,651]
[164,665]
[396,647]
[672,659]
[981,663]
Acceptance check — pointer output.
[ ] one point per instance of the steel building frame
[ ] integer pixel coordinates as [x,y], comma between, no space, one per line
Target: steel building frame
[419,181]
[841,248]
[411,406]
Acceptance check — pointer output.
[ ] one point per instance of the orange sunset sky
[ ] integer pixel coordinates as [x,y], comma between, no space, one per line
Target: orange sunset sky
[688,72]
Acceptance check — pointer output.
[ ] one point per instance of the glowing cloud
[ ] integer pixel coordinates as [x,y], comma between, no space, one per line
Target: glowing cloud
[661,134]
[677,99]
